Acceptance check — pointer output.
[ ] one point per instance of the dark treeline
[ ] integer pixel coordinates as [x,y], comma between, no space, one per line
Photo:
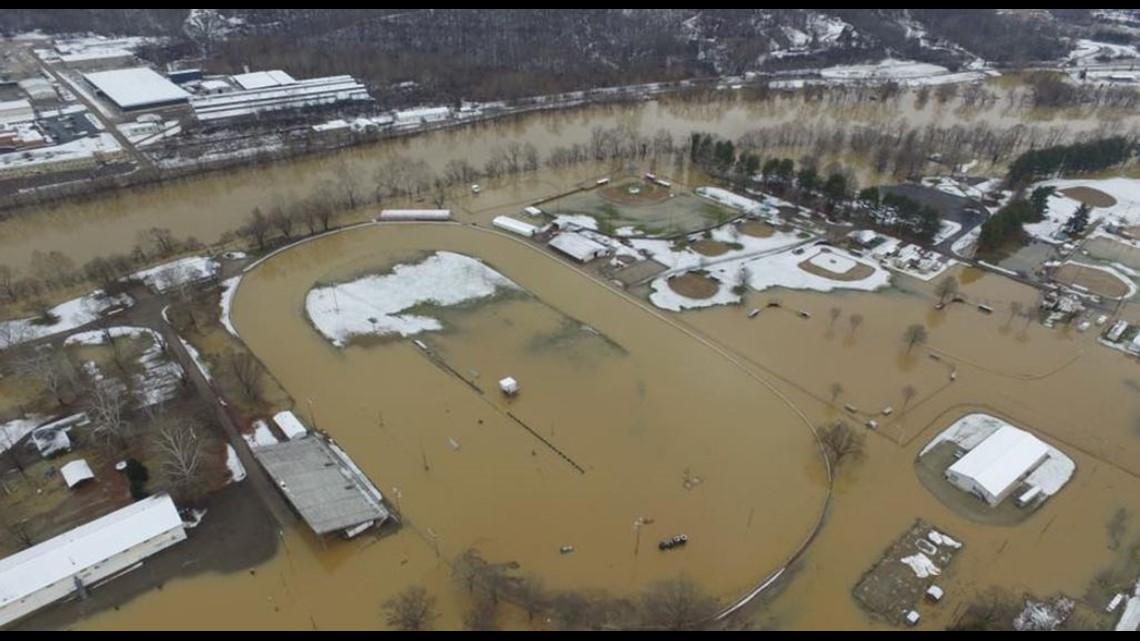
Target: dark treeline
[1070,159]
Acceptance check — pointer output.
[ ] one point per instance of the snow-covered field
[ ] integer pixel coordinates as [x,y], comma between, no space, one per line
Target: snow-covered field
[904,72]
[970,430]
[160,377]
[73,313]
[783,270]
[947,229]
[1125,213]
[233,464]
[177,273]
[373,305]
[1087,51]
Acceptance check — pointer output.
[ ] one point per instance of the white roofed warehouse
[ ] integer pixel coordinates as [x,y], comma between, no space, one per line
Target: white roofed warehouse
[80,558]
[137,88]
[995,468]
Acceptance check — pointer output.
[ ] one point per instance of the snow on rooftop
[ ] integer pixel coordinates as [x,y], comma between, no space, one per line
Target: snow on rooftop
[290,425]
[15,430]
[136,87]
[1001,460]
[514,225]
[57,559]
[176,273]
[261,436]
[78,149]
[567,220]
[262,79]
[373,305]
[577,246]
[76,472]
[725,197]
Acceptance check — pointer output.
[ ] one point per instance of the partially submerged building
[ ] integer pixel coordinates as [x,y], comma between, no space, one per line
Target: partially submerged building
[994,468]
[322,483]
[86,555]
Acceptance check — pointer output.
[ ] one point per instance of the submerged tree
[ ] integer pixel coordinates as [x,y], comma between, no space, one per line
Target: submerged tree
[836,389]
[677,604]
[914,335]
[835,313]
[411,610]
[908,392]
[841,442]
[855,321]
[946,289]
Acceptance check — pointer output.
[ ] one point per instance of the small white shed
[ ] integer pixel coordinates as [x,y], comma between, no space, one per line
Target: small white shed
[76,472]
[509,386]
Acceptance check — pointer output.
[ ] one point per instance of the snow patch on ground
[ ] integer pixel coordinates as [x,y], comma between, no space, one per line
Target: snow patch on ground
[176,273]
[233,464]
[197,358]
[1125,213]
[922,565]
[372,305]
[160,377]
[1043,616]
[261,436]
[229,288]
[947,229]
[73,313]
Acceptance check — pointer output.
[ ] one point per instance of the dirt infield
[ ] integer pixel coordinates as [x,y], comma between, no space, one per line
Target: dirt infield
[1089,196]
[858,272]
[694,285]
[647,193]
[757,230]
[709,247]
[1097,281]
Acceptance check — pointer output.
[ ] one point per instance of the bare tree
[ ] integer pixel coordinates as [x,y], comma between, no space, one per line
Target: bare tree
[248,372]
[855,321]
[835,314]
[481,615]
[8,277]
[531,595]
[836,390]
[677,604]
[946,289]
[908,392]
[163,239]
[349,184]
[993,609]
[107,408]
[1015,309]
[257,227]
[283,222]
[53,370]
[180,447]
[571,610]
[841,442]
[411,610]
[914,335]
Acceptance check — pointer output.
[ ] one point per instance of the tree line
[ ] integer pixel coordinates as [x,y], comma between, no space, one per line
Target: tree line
[1078,157]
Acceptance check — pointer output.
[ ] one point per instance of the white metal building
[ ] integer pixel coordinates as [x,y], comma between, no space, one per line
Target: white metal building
[414,214]
[52,570]
[298,94]
[12,111]
[995,467]
[578,247]
[514,226]
[137,88]
[290,425]
[37,88]
[263,79]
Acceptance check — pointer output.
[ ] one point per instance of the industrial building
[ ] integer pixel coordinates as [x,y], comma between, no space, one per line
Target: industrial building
[14,111]
[269,91]
[38,89]
[994,468]
[137,88]
[328,490]
[86,555]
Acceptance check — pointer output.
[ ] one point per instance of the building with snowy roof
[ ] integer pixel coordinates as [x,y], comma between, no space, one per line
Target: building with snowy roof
[578,247]
[13,111]
[86,555]
[270,91]
[514,225]
[994,468]
[137,88]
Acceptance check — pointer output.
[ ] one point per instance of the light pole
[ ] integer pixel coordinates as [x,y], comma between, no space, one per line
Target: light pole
[399,495]
[312,415]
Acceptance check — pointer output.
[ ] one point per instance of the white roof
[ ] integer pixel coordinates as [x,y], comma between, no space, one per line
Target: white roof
[509,385]
[577,246]
[1000,460]
[261,79]
[24,573]
[76,472]
[415,214]
[137,87]
[514,225]
[290,425]
[16,111]
[215,84]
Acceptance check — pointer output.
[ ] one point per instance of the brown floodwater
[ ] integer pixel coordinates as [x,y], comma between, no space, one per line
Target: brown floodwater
[207,206]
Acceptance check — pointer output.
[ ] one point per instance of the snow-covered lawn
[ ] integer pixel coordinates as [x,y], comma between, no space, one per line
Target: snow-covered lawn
[233,464]
[729,199]
[373,305]
[1125,213]
[14,430]
[576,220]
[176,273]
[970,430]
[947,229]
[229,288]
[160,377]
[783,270]
[967,241]
[904,72]
[833,262]
[261,436]
[73,313]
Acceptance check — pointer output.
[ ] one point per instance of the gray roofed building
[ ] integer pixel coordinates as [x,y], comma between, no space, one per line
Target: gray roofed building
[329,491]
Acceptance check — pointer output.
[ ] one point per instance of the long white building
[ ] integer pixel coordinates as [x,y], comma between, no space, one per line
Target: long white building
[274,91]
[109,545]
